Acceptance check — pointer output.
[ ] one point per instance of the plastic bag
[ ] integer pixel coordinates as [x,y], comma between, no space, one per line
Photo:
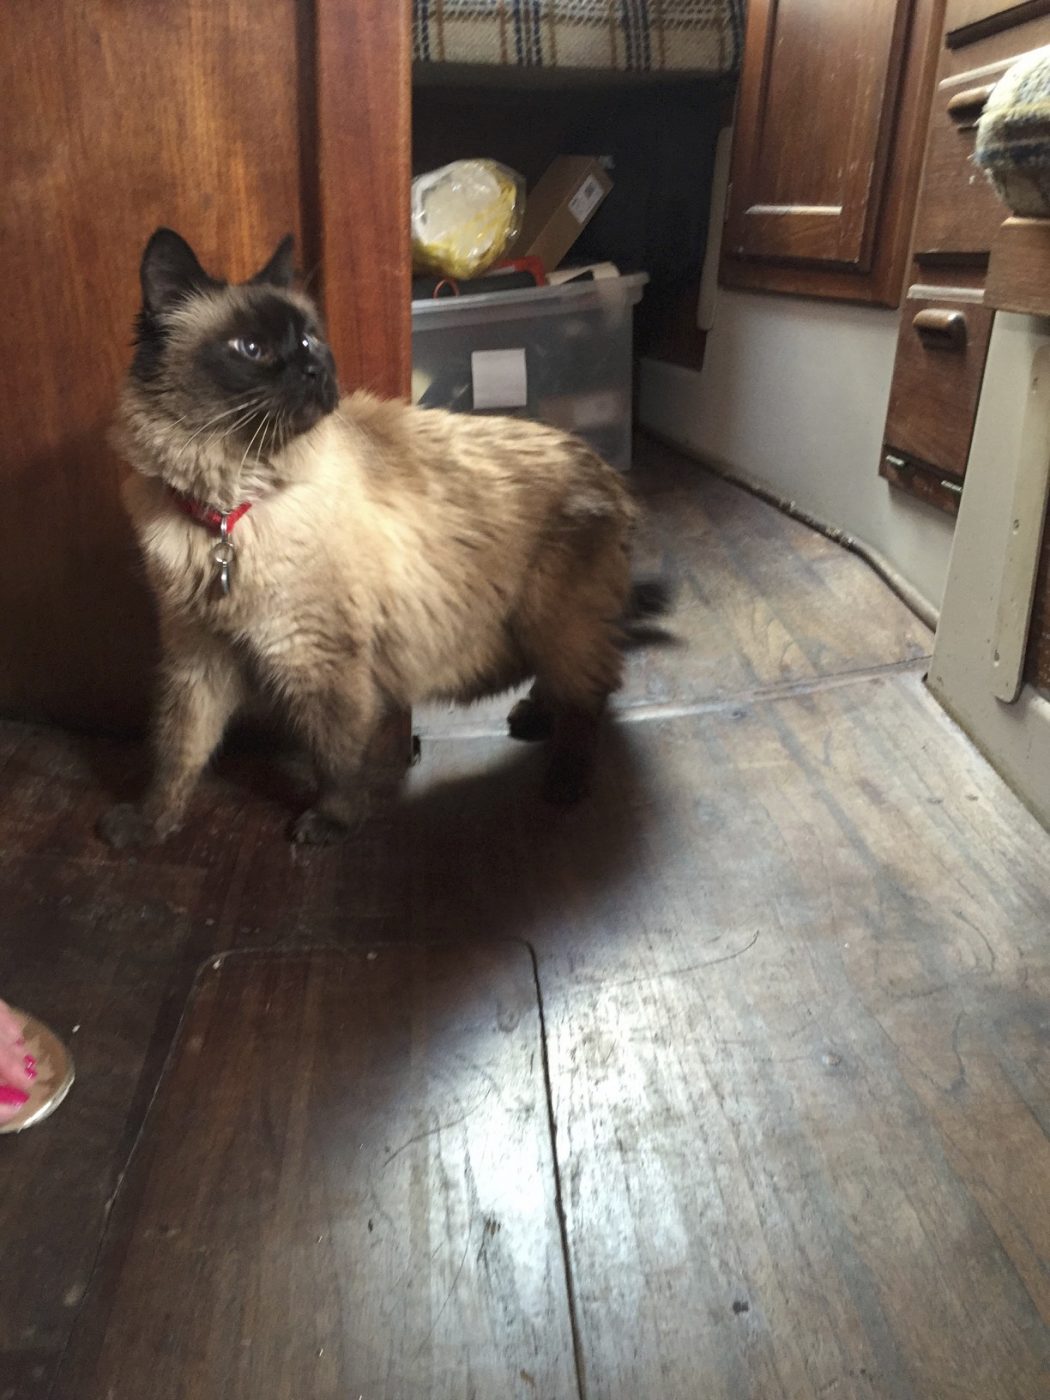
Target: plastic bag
[465,216]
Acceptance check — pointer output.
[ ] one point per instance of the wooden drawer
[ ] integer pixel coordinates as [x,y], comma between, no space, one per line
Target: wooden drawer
[941,349]
[966,20]
[962,14]
[959,211]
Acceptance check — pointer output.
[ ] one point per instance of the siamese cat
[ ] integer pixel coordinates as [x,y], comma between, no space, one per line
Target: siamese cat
[348,556]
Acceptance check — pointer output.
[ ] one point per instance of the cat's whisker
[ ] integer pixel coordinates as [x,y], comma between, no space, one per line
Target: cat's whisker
[272,445]
[277,429]
[268,437]
[267,423]
[238,407]
[225,433]
[245,401]
[228,431]
[282,425]
[251,441]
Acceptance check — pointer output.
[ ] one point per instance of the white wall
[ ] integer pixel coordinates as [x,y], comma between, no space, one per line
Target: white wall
[793,392]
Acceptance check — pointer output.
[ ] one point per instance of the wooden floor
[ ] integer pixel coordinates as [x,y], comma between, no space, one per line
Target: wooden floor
[733,1084]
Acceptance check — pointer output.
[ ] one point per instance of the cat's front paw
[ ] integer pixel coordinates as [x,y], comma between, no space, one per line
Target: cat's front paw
[126,826]
[314,828]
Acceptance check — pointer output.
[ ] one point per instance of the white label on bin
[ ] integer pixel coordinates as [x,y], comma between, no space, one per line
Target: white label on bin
[586,199]
[500,379]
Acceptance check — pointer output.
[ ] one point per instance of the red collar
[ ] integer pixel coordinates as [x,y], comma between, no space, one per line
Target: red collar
[208,515]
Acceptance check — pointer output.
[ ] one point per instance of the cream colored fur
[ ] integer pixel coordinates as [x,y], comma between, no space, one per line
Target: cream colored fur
[392,555]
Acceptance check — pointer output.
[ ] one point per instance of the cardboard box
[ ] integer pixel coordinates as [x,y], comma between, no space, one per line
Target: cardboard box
[559,207]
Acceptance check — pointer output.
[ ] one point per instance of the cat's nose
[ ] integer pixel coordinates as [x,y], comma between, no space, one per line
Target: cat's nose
[311,369]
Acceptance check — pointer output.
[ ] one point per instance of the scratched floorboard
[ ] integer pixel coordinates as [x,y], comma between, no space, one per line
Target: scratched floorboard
[793,959]
[346,1188]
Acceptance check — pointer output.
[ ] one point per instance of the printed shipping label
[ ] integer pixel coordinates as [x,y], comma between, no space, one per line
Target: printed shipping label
[586,199]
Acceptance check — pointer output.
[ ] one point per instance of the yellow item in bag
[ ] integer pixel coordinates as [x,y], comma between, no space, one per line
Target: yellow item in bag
[465,216]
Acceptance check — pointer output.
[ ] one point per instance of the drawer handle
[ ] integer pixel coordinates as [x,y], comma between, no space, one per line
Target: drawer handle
[942,330]
[966,107]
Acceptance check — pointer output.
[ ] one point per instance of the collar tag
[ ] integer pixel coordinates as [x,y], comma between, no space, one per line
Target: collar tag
[223,555]
[223,521]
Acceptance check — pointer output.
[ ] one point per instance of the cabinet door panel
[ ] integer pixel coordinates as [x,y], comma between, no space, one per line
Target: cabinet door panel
[816,122]
[829,126]
[207,115]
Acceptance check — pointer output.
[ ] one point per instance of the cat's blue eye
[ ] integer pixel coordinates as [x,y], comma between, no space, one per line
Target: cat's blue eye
[250,349]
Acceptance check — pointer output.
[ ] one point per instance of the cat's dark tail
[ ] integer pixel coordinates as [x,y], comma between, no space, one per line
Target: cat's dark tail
[649,599]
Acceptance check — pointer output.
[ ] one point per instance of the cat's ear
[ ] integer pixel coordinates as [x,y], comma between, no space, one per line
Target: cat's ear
[170,270]
[280,270]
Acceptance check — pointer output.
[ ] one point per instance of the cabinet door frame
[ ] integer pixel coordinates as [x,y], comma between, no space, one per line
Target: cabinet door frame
[878,276]
[364,172]
[364,166]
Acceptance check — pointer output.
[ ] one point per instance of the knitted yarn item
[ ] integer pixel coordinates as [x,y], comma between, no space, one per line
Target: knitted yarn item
[1013,136]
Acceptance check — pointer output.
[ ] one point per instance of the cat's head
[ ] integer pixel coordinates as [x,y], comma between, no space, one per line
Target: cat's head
[245,365]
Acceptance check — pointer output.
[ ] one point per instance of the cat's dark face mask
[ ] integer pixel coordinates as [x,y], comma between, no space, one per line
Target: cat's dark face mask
[270,355]
[249,362]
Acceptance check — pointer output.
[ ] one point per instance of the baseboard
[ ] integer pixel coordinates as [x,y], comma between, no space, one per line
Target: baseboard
[905,591]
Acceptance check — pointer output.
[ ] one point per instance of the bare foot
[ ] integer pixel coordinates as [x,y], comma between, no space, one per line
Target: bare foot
[36,1071]
[17,1069]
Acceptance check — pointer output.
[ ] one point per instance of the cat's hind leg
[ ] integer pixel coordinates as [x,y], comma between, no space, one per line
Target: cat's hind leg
[569,628]
[579,667]
[532,718]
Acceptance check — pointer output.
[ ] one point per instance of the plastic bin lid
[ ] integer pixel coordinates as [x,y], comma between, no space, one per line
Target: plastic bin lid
[566,298]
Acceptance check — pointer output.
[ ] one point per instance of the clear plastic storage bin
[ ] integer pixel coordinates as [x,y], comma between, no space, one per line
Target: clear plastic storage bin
[561,354]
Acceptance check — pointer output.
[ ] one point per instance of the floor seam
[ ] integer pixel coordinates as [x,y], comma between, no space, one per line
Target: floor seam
[559,1199]
[662,710]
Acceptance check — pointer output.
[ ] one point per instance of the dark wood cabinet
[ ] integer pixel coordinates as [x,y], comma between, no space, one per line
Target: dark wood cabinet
[831,109]
[233,122]
[937,382]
